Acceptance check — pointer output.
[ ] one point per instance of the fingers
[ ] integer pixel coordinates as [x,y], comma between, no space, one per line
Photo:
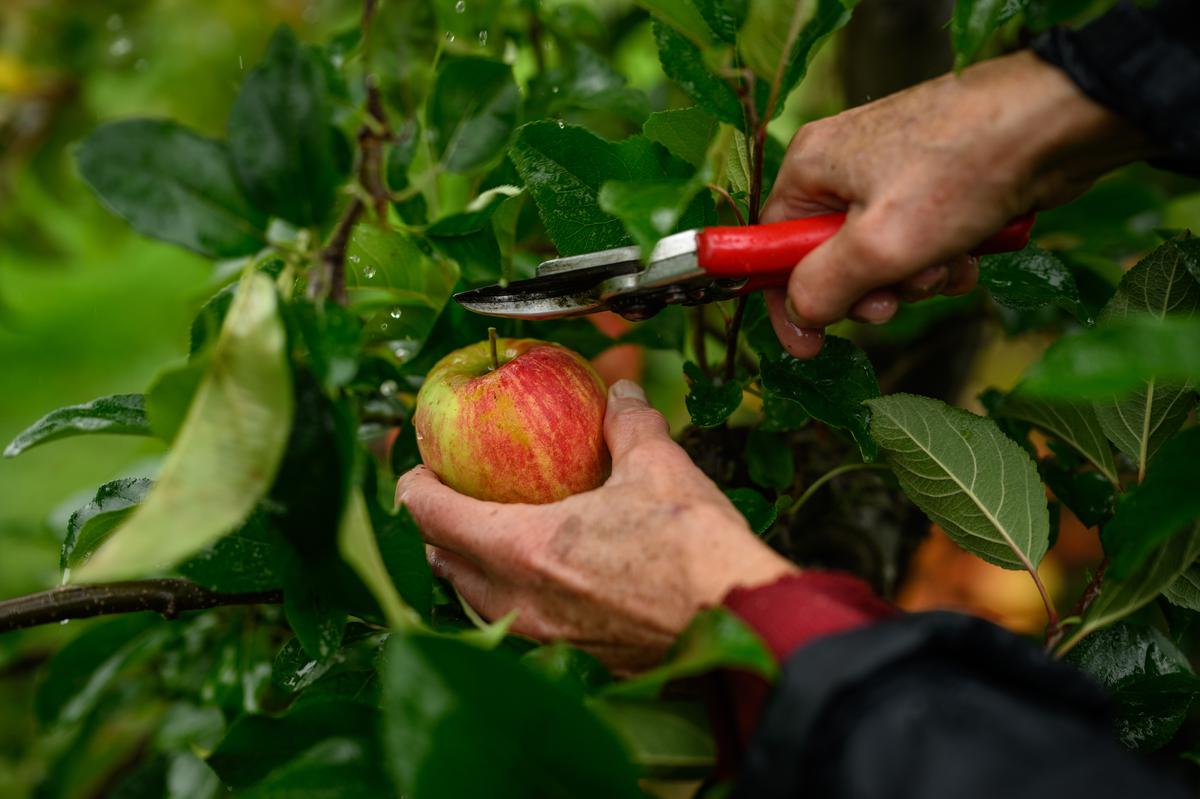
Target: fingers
[876,307]
[964,274]
[800,342]
[449,520]
[631,425]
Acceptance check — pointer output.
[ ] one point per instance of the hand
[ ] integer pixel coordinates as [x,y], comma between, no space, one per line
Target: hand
[925,175]
[618,571]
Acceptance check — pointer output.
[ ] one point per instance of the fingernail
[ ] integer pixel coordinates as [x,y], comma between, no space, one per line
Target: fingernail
[928,279]
[627,389]
[876,310]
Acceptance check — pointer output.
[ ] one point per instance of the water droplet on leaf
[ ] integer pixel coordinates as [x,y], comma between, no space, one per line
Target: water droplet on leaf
[114,22]
[449,36]
[369,272]
[121,47]
[460,7]
[562,124]
[662,219]
[482,38]
[383,325]
[395,313]
[388,388]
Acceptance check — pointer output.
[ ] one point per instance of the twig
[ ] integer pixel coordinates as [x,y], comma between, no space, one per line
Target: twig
[732,331]
[168,597]
[373,134]
[737,212]
[815,485]
[698,340]
[1055,636]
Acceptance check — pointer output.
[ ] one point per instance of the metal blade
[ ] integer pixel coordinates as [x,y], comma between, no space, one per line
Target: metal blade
[568,292]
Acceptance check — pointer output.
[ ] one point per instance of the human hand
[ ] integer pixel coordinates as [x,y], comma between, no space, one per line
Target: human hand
[618,571]
[925,175]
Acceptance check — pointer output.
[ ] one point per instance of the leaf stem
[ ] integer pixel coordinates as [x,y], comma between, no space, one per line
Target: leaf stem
[699,340]
[1053,637]
[815,485]
[732,331]
[168,597]
[494,357]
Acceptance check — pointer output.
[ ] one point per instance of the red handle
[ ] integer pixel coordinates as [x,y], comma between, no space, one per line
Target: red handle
[767,253]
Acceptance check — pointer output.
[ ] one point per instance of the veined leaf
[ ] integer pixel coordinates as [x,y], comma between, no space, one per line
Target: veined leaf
[831,387]
[120,413]
[684,62]
[759,512]
[1031,278]
[173,184]
[1165,503]
[1185,590]
[967,476]
[282,137]
[1161,284]
[472,112]
[685,132]
[564,168]
[1119,598]
[1074,423]
[780,39]
[91,525]
[227,452]
[708,404]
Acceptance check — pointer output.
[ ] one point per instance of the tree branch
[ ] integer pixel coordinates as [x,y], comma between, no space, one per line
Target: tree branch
[168,597]
[370,163]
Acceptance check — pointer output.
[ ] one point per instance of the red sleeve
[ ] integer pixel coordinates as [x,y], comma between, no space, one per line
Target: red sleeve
[787,613]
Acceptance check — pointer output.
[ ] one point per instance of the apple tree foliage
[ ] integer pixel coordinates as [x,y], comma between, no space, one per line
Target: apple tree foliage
[442,145]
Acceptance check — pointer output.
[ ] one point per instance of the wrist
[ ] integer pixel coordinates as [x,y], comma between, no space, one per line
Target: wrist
[1059,139]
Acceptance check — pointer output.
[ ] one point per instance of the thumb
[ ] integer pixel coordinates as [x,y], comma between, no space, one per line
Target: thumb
[631,423]
[869,252]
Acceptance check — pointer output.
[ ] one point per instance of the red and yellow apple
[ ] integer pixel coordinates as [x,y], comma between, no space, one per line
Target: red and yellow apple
[529,429]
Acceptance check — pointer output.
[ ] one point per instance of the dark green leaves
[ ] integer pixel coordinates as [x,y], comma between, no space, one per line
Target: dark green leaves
[1147,676]
[760,513]
[974,21]
[471,113]
[527,737]
[1031,278]
[967,476]
[710,404]
[769,460]
[282,137]
[173,184]
[91,524]
[714,639]
[830,388]
[1165,503]
[120,413]
[685,132]
[779,40]
[683,62]
[1073,423]
[649,210]
[564,168]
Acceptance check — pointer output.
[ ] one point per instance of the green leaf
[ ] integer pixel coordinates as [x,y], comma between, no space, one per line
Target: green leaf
[684,16]
[668,740]
[1031,278]
[781,414]
[170,396]
[170,183]
[245,560]
[967,476]
[1185,590]
[472,113]
[120,413]
[568,666]
[685,132]
[769,460]
[1073,423]
[333,337]
[773,46]
[586,80]
[282,137]
[225,456]
[481,240]
[759,512]
[336,768]
[399,285]
[724,17]
[714,639]
[684,62]
[1121,357]
[974,22]
[403,551]
[709,404]
[649,210]
[360,549]
[1161,284]
[564,168]
[831,387]
[400,50]
[465,20]
[1089,495]
[255,745]
[82,671]
[443,697]
[89,526]
[1119,598]
[1148,678]
[1165,503]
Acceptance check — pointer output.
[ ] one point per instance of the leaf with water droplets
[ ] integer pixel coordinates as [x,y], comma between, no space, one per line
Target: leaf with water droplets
[472,113]
[121,413]
[1031,278]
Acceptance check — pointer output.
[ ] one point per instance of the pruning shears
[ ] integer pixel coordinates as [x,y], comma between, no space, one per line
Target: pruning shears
[688,268]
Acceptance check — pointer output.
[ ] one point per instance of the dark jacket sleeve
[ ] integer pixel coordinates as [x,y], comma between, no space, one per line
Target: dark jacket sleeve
[937,706]
[1143,64]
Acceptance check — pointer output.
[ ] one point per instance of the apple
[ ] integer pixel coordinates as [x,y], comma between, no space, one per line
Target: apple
[513,420]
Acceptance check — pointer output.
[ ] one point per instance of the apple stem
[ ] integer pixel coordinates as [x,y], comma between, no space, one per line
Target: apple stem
[492,341]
